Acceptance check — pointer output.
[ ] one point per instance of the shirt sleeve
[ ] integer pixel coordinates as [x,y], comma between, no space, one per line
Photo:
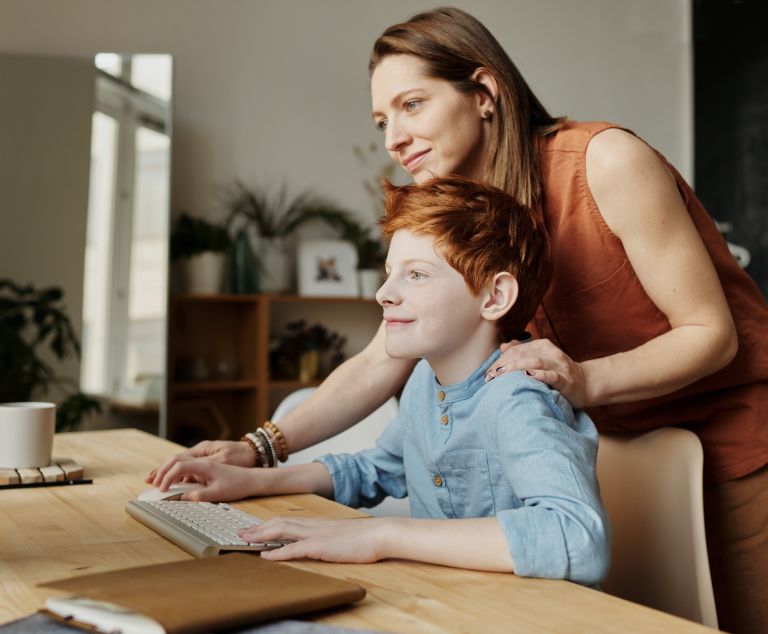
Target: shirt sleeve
[367,477]
[549,452]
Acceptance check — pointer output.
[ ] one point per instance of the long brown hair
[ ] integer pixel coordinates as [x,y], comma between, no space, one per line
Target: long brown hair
[453,45]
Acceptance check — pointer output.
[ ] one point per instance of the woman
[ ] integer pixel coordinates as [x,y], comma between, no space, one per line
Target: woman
[648,321]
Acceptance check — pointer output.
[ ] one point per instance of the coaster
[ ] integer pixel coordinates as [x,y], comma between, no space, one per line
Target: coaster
[60,471]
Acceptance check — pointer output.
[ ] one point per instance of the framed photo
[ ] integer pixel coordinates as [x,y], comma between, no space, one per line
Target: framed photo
[327,268]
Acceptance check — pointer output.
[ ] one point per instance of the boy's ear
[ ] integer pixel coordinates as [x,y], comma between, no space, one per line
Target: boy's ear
[500,296]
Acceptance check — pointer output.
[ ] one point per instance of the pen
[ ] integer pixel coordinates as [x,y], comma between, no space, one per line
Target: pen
[54,483]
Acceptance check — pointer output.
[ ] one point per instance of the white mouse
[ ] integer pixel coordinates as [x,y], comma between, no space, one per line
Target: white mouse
[174,492]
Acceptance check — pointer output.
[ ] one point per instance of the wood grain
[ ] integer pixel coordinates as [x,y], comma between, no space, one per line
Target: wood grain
[51,533]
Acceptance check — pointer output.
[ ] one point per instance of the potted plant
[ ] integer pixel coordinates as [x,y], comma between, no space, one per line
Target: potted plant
[201,246]
[273,218]
[306,352]
[33,327]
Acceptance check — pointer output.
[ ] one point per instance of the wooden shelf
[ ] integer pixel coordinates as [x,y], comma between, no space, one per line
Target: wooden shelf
[291,384]
[193,387]
[236,329]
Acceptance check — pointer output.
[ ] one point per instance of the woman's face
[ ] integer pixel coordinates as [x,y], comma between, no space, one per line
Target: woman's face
[429,127]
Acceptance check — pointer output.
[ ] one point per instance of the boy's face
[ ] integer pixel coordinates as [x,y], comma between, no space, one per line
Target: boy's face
[429,310]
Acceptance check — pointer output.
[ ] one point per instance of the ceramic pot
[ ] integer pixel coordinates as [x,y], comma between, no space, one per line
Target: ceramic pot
[276,266]
[204,273]
[369,281]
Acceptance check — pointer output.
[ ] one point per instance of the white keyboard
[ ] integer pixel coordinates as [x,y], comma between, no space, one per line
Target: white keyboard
[201,528]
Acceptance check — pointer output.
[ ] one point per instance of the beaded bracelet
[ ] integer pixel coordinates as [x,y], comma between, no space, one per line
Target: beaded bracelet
[272,454]
[282,444]
[261,448]
[256,448]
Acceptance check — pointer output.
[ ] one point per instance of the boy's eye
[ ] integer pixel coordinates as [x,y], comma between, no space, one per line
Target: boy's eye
[381,125]
[411,105]
[417,275]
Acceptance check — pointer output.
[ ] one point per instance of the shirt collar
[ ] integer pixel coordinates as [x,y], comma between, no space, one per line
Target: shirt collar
[468,387]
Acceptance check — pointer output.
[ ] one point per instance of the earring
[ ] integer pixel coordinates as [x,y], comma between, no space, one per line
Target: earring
[487,114]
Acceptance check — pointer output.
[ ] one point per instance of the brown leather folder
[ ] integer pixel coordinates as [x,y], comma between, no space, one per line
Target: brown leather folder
[212,594]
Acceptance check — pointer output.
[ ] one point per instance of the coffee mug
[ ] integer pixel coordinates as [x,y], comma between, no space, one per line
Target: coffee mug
[26,434]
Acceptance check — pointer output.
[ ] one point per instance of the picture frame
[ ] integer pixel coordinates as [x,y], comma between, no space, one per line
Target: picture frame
[327,268]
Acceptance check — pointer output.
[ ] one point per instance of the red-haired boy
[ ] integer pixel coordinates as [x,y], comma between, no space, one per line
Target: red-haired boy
[499,475]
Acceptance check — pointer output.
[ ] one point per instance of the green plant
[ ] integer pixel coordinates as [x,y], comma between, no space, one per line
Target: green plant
[191,236]
[277,215]
[32,322]
[298,338]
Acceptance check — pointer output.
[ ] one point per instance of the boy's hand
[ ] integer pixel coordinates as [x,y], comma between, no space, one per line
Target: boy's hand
[221,482]
[226,451]
[543,360]
[355,541]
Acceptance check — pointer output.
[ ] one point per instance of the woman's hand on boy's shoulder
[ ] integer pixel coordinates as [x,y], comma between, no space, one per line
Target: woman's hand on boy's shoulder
[544,361]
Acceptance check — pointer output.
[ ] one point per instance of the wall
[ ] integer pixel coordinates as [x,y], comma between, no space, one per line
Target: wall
[276,91]
[46,106]
[271,90]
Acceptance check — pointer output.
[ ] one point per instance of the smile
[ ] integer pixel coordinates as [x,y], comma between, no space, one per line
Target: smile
[397,323]
[412,162]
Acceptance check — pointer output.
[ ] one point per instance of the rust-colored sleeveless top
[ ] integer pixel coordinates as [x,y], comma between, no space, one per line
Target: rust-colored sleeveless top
[596,307]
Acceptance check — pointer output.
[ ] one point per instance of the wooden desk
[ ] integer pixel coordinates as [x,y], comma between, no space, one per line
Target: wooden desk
[50,533]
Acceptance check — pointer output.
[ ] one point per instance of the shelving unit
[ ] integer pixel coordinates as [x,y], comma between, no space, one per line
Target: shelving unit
[218,356]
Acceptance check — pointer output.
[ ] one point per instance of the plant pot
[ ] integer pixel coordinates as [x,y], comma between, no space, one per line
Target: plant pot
[369,281]
[276,266]
[309,366]
[204,273]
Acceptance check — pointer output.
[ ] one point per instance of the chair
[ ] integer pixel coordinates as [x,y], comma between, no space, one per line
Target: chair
[359,436]
[652,488]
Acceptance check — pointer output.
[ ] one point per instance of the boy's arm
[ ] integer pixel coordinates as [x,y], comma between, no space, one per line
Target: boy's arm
[367,477]
[549,454]
[223,483]
[477,544]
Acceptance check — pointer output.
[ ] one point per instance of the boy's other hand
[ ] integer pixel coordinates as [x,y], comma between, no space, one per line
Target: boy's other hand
[543,360]
[353,541]
[226,451]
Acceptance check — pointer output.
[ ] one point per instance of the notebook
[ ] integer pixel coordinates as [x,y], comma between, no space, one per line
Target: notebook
[212,594]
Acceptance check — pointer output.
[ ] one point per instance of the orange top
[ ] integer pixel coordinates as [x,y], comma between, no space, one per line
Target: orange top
[596,307]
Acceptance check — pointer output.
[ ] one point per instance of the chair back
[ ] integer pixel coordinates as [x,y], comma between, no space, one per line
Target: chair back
[652,488]
[363,435]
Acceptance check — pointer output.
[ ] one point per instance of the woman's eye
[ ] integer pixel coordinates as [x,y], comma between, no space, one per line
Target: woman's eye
[417,275]
[411,105]
[381,125]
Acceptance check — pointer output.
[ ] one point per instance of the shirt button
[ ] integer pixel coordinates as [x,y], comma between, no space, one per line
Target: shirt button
[444,419]
[438,481]
[441,396]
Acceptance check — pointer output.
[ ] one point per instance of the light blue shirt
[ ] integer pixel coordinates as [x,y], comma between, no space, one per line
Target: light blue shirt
[512,449]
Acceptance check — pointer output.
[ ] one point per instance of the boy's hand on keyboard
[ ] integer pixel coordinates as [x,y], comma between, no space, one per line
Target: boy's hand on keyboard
[221,482]
[226,451]
[342,541]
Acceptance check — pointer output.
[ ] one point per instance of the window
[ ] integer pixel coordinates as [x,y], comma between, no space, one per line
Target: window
[126,266]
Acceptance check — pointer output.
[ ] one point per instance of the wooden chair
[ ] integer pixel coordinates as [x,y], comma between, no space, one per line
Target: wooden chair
[652,487]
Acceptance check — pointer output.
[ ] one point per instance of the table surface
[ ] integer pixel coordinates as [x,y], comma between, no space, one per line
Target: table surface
[57,532]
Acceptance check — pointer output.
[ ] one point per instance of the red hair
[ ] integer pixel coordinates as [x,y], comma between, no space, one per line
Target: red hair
[480,231]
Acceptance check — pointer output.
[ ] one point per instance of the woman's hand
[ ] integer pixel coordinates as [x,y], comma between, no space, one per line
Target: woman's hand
[544,361]
[225,451]
[354,541]
[221,482]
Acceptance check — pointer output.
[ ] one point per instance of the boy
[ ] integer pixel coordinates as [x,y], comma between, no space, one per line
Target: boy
[500,475]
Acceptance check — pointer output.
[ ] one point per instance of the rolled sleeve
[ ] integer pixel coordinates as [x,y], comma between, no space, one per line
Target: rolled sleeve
[549,453]
[367,477]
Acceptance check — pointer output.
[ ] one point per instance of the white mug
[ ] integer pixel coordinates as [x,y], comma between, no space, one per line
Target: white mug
[26,434]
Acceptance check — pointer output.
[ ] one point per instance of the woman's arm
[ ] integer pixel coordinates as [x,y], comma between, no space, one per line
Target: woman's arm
[640,203]
[351,392]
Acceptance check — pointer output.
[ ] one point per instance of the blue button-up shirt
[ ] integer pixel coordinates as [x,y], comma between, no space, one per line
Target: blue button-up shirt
[512,449]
